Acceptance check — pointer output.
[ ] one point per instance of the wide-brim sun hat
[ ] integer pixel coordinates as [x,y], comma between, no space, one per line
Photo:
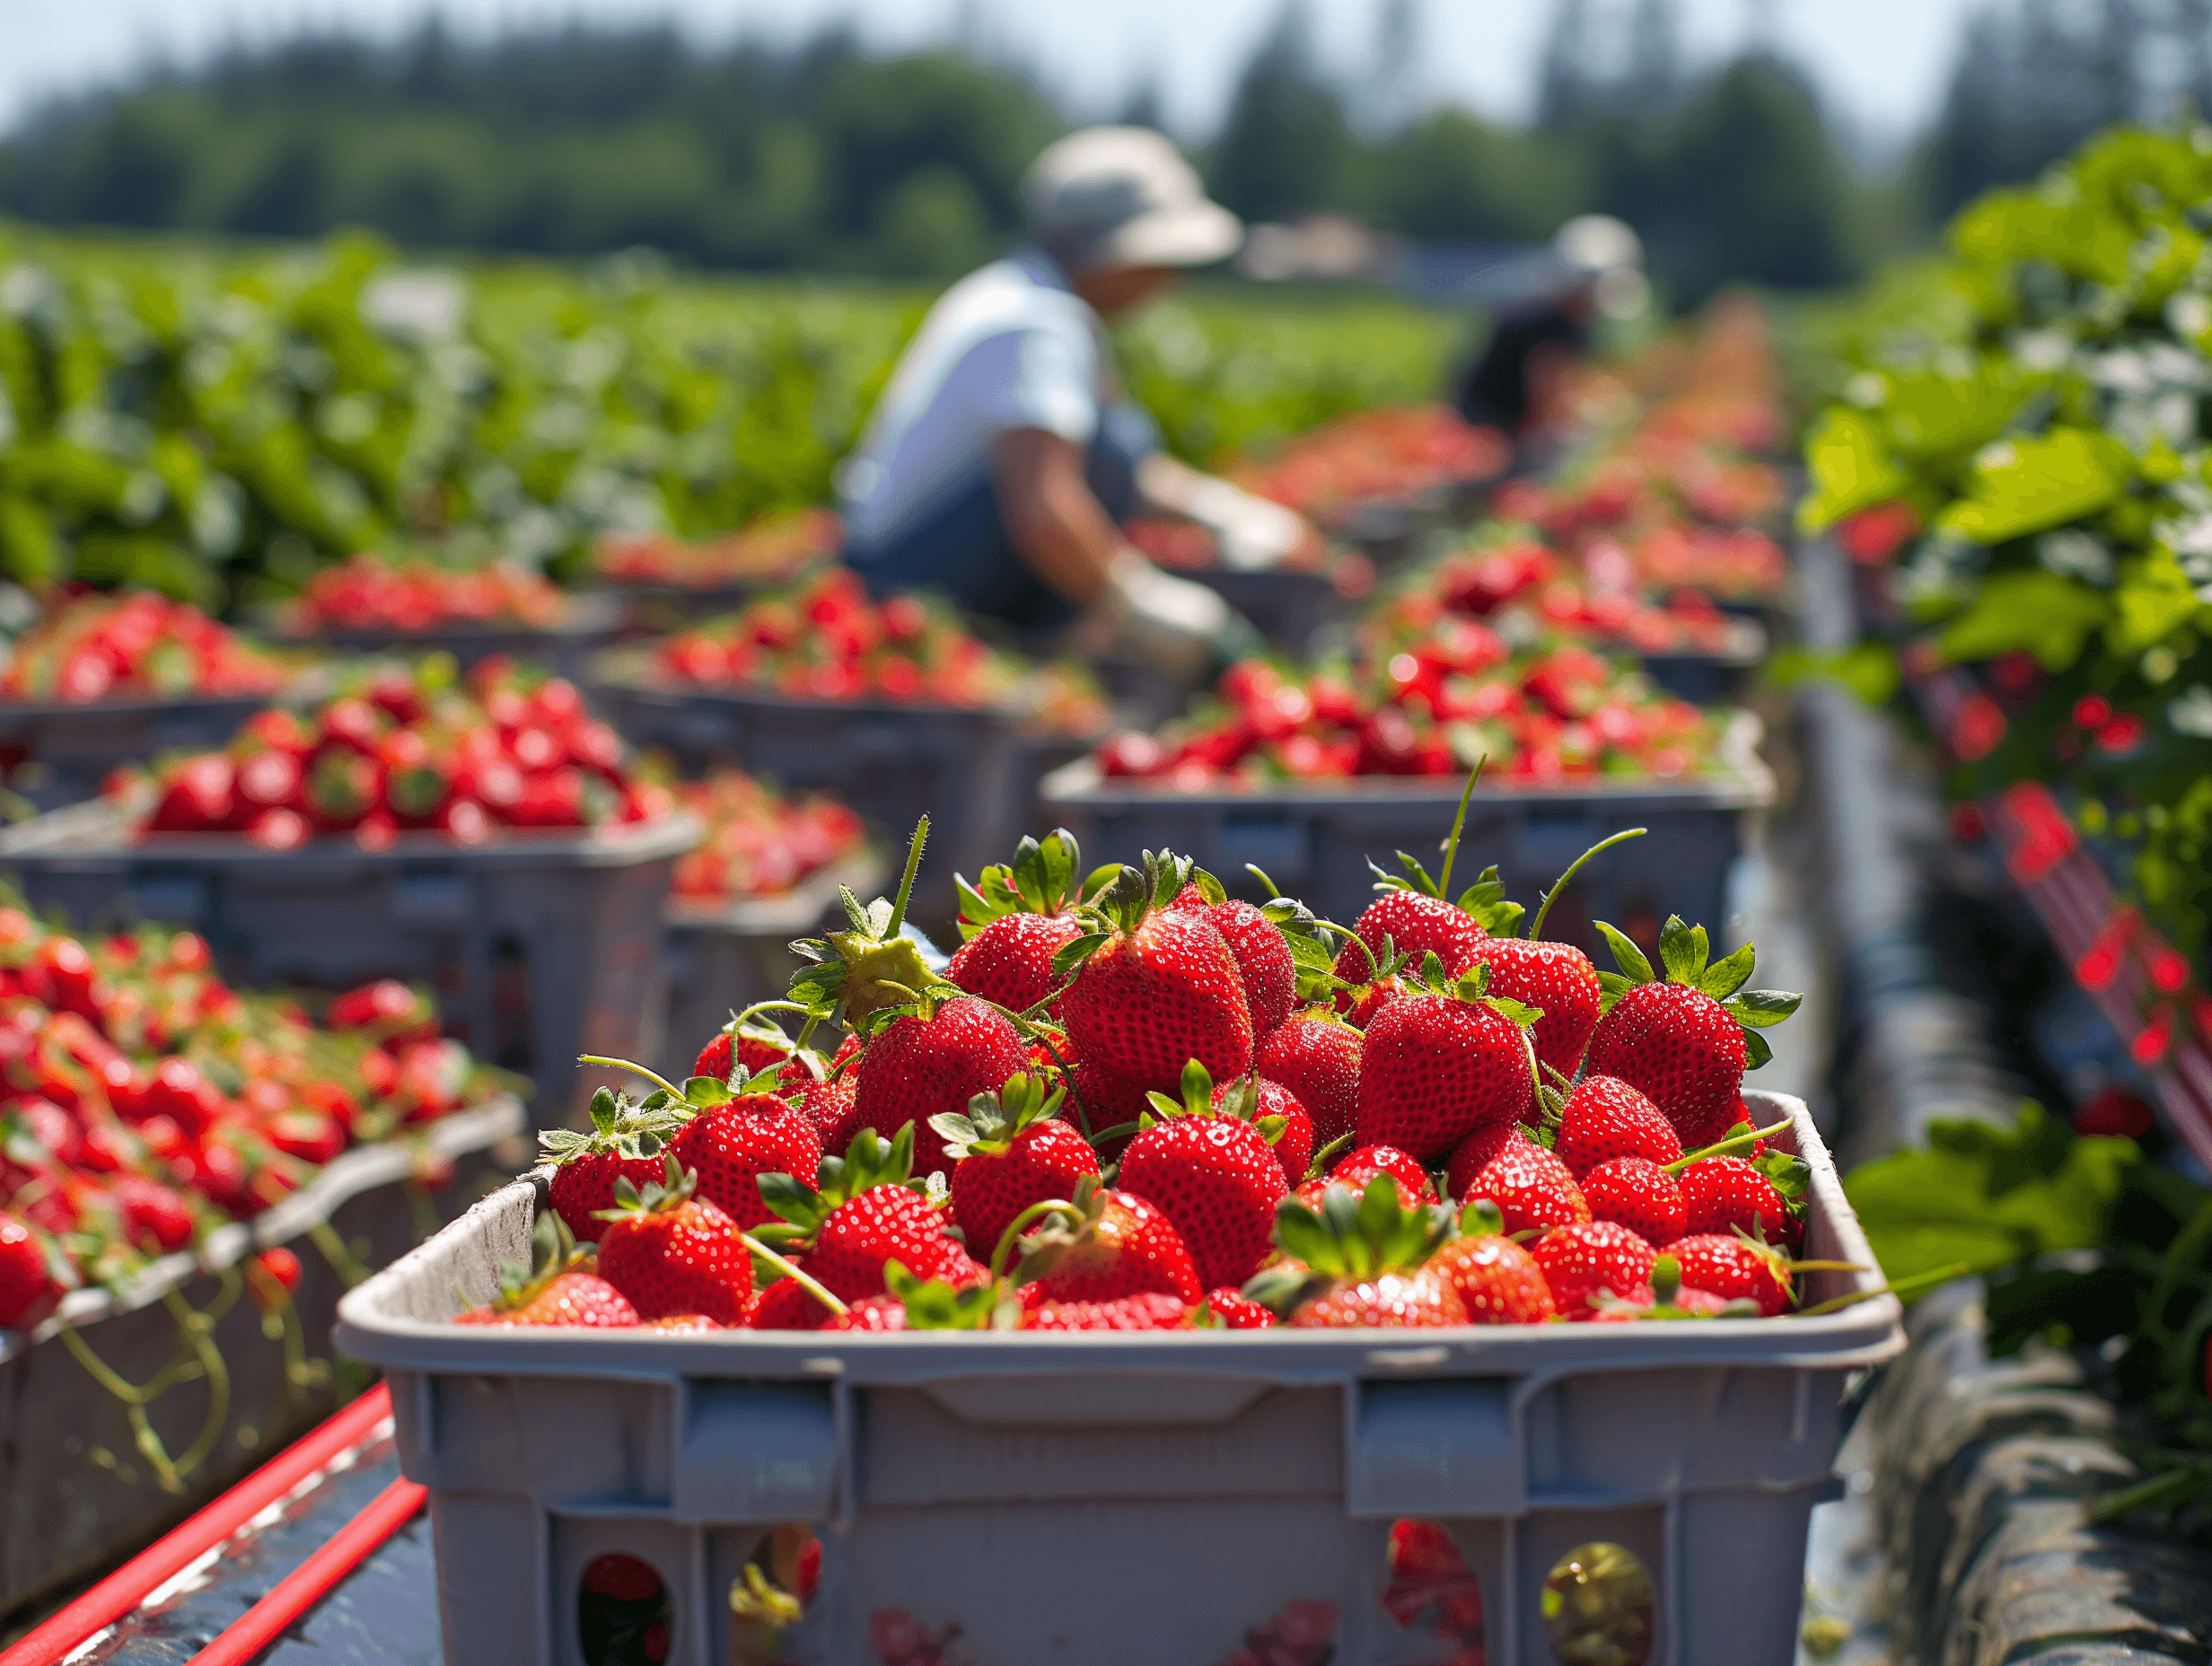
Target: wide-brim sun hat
[1124,197]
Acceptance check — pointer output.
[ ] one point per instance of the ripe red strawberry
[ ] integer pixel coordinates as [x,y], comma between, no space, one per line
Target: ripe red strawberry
[875,1314]
[786,1305]
[1358,1005]
[1317,1058]
[583,1301]
[1558,980]
[1433,1068]
[1120,1246]
[1358,1261]
[865,1212]
[1530,1185]
[749,1048]
[732,1144]
[830,1107]
[930,1063]
[1294,1145]
[1263,963]
[627,1142]
[1010,960]
[1361,1165]
[34,1274]
[669,1251]
[1109,1101]
[1590,1258]
[1673,1038]
[1145,1312]
[1638,1193]
[1721,1194]
[1159,990]
[682,1324]
[1604,1117]
[1730,1268]
[1498,1282]
[1009,1151]
[1233,1309]
[1215,1176]
[1409,923]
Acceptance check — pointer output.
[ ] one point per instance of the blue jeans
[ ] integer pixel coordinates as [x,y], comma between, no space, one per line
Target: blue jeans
[960,548]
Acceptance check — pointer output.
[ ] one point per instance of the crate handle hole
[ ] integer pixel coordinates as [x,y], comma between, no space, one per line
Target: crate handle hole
[1432,1590]
[623,1614]
[1598,1607]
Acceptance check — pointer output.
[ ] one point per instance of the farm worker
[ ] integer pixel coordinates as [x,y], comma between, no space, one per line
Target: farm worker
[1595,266]
[1003,457]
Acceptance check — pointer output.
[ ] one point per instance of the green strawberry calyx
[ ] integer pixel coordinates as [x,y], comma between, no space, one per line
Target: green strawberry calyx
[618,1126]
[868,1163]
[661,1196]
[1068,1222]
[1355,1235]
[1684,953]
[552,1252]
[874,964]
[1039,879]
[994,1120]
[1239,1102]
[934,1305]
[1473,986]
[1119,896]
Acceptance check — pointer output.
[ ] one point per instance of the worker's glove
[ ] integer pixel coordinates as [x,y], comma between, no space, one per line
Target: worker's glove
[1171,623]
[1253,532]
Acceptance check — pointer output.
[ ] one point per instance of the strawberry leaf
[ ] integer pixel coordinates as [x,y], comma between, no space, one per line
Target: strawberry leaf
[704,1092]
[1631,958]
[1095,881]
[1682,951]
[1723,979]
[1431,971]
[1761,1008]
[1519,1012]
[1756,1052]
[1485,901]
[605,1110]
[1070,956]
[1788,1173]
[1211,889]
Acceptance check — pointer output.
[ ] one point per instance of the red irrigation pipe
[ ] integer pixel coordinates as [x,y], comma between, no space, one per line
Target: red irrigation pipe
[311,1581]
[160,1562]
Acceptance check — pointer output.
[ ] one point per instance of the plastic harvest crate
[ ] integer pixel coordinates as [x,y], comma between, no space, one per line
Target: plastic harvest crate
[1313,841]
[890,763]
[67,1509]
[588,623]
[540,946]
[721,959]
[1202,1480]
[1287,606]
[75,746]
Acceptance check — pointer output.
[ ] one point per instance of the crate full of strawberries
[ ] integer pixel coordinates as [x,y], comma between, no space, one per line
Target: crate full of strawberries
[373,602]
[1098,1232]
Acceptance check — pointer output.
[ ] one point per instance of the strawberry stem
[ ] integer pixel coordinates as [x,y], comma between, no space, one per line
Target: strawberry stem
[1536,926]
[1459,822]
[791,1269]
[1720,1148]
[1115,1131]
[770,1006]
[1060,1206]
[636,1069]
[1259,874]
[906,880]
[1899,1288]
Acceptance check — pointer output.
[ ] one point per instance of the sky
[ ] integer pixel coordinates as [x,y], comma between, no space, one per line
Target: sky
[1882,64]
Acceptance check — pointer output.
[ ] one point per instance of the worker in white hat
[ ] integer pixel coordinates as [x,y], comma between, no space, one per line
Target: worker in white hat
[1593,268]
[1003,457]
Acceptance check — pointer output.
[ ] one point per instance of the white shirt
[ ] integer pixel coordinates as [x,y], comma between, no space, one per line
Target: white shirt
[1009,346]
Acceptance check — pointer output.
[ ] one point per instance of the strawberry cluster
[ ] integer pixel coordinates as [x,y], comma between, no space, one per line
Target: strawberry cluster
[143,1101]
[371,591]
[1391,452]
[758,842]
[825,640]
[404,749]
[137,645]
[1133,1103]
[772,550]
[1528,593]
[1424,702]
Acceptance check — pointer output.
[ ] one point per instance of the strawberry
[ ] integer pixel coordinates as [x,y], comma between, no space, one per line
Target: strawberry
[1359,1260]
[1008,1151]
[1155,1312]
[865,1212]
[1406,923]
[1233,1309]
[829,1106]
[1732,1268]
[1155,987]
[1667,1297]
[1604,1117]
[560,1296]
[1317,1058]
[1274,1103]
[682,1324]
[875,1314]
[741,1047]
[1531,1186]
[931,1061]
[1263,963]
[1556,978]
[1213,1174]
[669,1251]
[34,1274]
[1009,961]
[1433,1068]
[1640,1195]
[1358,1003]
[1684,1039]
[1581,1261]
[1723,1194]
[786,1305]
[1109,1101]
[627,1142]
[733,1143]
[1356,1168]
[1108,1245]
[1498,1282]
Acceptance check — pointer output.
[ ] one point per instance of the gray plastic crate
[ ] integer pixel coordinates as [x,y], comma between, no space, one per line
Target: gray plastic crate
[1314,841]
[892,763]
[540,946]
[75,1492]
[69,750]
[589,622]
[1289,607]
[1209,1479]
[721,959]
[1715,679]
